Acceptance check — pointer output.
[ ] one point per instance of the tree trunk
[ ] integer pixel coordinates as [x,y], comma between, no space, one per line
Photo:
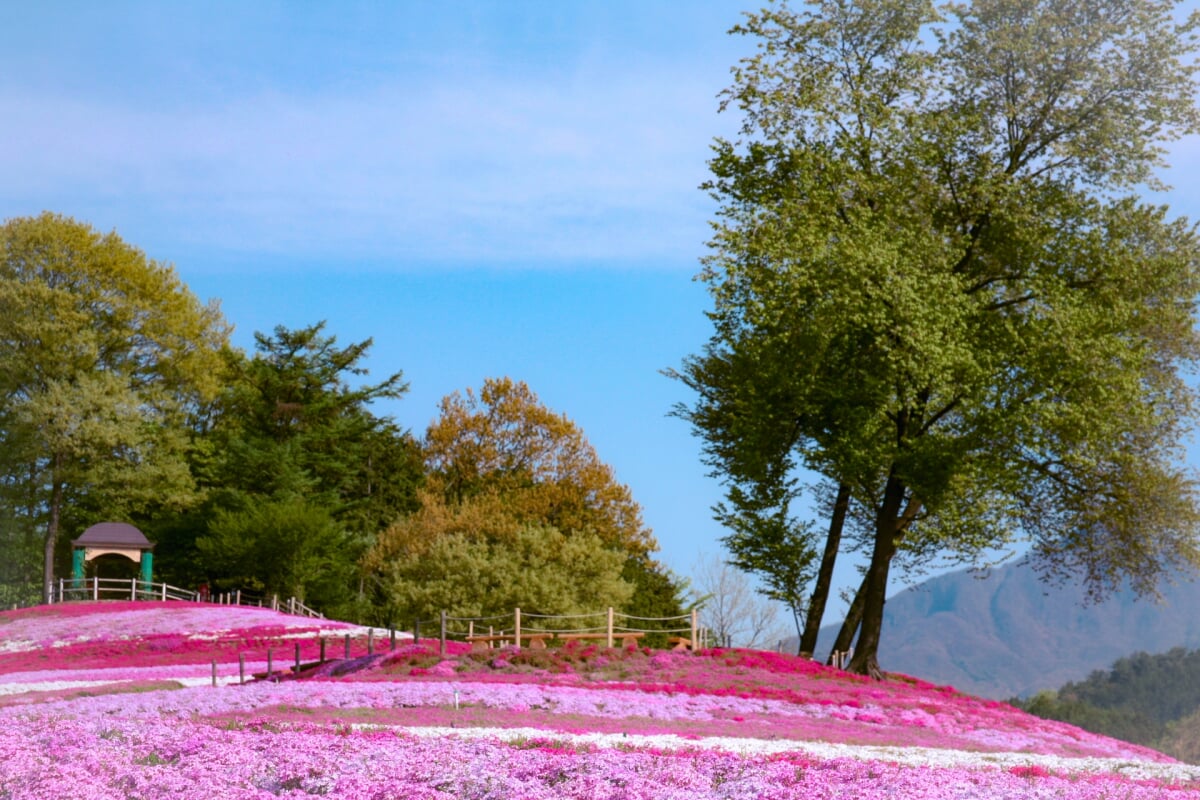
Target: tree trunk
[865,660]
[52,524]
[889,529]
[816,608]
[845,636]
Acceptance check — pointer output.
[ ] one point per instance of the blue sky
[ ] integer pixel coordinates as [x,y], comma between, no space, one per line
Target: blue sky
[485,188]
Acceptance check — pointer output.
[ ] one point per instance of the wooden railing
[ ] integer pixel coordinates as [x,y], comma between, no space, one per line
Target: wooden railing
[607,627]
[69,589]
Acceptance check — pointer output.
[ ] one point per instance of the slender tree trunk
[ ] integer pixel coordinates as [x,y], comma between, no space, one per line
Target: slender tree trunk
[816,608]
[845,636]
[56,501]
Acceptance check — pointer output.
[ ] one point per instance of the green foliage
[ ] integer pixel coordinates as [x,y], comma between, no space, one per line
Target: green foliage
[537,569]
[657,592]
[291,423]
[776,548]
[106,360]
[1143,698]
[1127,724]
[1182,739]
[300,475]
[20,567]
[928,286]
[285,547]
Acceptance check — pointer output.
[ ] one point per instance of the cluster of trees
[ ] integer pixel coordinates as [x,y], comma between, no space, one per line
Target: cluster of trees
[1153,700]
[268,471]
[941,316]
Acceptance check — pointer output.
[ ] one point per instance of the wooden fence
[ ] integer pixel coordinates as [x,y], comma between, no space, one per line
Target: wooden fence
[535,630]
[69,589]
[527,628]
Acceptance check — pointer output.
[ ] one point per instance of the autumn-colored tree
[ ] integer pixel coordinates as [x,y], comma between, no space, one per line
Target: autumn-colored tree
[503,440]
[504,470]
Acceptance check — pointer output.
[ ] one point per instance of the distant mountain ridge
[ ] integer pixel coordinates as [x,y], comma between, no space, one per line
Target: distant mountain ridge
[1008,634]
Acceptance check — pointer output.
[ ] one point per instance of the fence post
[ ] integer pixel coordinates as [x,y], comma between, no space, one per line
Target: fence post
[60,591]
[392,638]
[695,643]
[517,628]
[133,588]
[608,641]
[347,647]
[214,673]
[270,663]
[370,641]
[241,668]
[322,638]
[442,649]
[239,597]
[95,587]
[164,592]
[297,657]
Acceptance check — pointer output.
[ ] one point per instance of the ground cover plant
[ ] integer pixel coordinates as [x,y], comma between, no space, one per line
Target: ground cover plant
[115,700]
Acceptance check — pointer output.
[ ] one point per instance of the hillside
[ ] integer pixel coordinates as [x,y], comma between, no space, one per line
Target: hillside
[1010,635]
[1143,698]
[113,700]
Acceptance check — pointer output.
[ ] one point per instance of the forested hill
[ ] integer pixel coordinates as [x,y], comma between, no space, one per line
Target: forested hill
[1011,635]
[1152,700]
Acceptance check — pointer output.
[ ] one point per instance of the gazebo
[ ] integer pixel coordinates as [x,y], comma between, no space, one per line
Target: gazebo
[115,538]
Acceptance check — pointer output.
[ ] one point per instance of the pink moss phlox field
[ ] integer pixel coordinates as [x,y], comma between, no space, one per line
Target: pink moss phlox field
[168,758]
[166,633]
[63,623]
[94,717]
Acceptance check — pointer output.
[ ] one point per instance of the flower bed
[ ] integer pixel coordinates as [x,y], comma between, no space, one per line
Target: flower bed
[575,722]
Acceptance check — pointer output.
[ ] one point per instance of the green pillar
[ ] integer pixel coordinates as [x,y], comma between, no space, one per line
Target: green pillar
[147,566]
[77,567]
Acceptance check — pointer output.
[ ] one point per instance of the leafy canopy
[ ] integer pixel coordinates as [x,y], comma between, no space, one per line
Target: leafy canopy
[301,475]
[515,490]
[106,359]
[930,284]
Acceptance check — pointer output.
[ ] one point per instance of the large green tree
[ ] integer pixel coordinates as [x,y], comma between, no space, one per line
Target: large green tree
[301,475]
[105,360]
[297,419]
[932,283]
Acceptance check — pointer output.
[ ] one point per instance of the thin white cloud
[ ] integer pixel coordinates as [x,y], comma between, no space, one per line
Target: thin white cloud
[583,167]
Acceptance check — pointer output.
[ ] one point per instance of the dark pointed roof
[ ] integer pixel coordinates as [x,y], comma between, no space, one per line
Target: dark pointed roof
[113,534]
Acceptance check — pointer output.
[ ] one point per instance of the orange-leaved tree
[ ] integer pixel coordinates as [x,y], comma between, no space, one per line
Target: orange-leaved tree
[503,469]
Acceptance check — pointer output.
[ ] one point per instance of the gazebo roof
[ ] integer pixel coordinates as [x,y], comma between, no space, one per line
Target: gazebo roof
[113,534]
